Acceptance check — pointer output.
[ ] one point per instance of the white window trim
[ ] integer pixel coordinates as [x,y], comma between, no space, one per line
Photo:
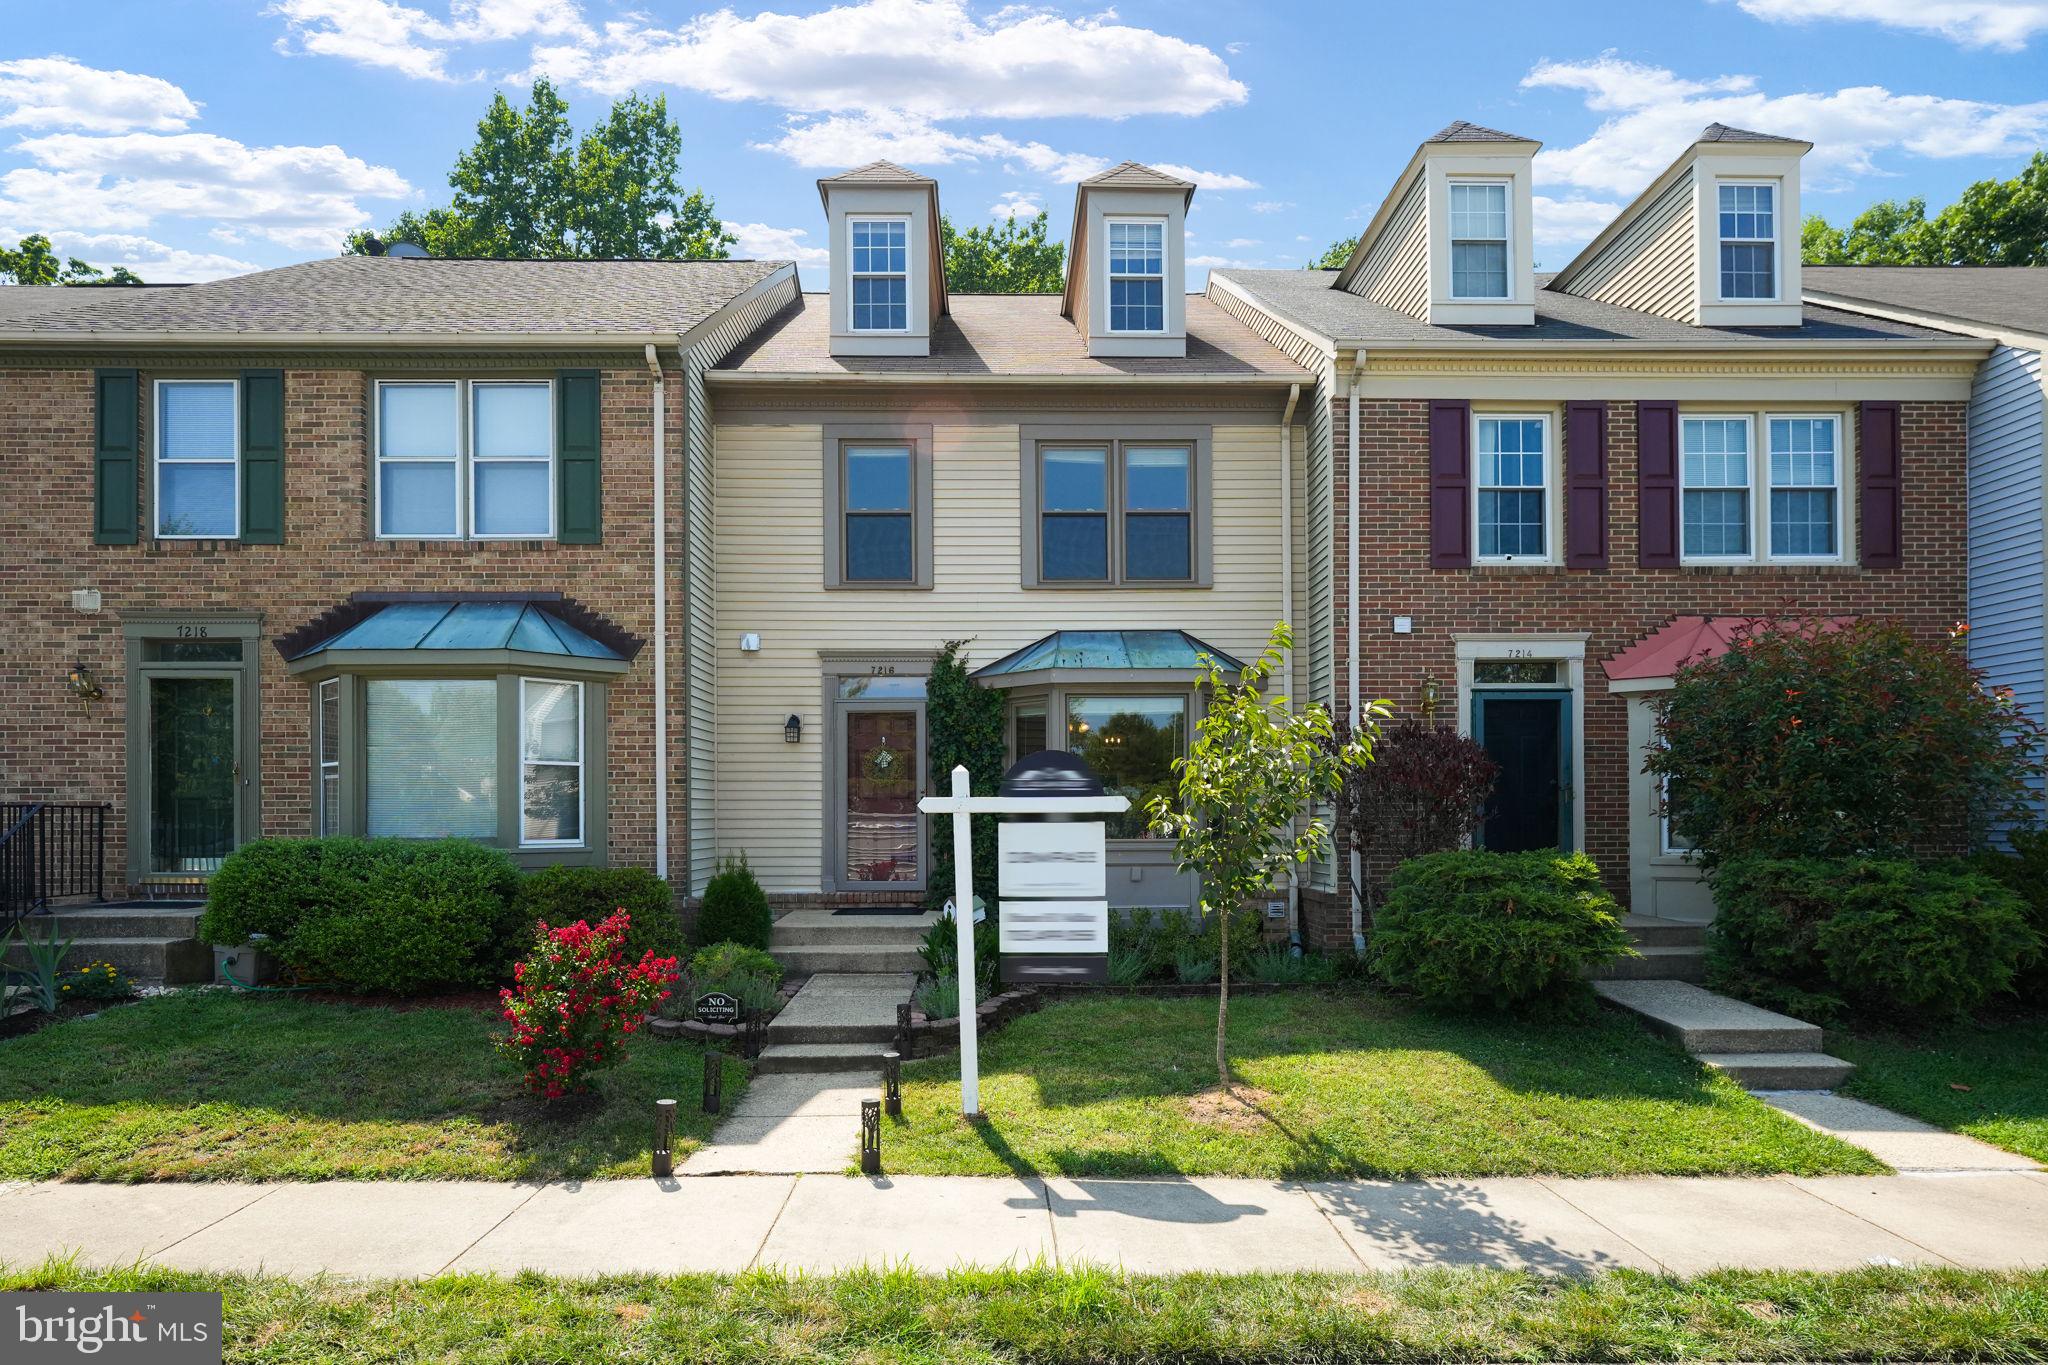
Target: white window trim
[582,815]
[156,461]
[1108,302]
[1758,500]
[324,766]
[853,277]
[1549,490]
[1506,239]
[1776,241]
[464,459]
[1748,420]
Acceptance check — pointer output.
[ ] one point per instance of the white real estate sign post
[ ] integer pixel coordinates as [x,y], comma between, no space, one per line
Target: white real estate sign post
[961,806]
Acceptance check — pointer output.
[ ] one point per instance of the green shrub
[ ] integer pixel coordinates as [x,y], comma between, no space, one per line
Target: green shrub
[735,908]
[720,960]
[1279,965]
[2025,870]
[1193,967]
[939,949]
[1889,936]
[96,981]
[401,916]
[563,895]
[1126,967]
[939,998]
[1507,930]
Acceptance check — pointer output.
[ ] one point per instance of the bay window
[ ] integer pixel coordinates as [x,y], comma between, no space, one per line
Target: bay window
[461,459]
[550,761]
[1130,742]
[431,757]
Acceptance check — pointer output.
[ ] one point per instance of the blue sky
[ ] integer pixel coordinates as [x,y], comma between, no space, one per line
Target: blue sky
[195,138]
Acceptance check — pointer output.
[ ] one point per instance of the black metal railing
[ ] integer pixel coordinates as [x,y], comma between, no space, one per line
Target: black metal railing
[49,851]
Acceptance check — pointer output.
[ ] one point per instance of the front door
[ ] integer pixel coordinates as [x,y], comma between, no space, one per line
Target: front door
[193,778]
[1527,734]
[879,762]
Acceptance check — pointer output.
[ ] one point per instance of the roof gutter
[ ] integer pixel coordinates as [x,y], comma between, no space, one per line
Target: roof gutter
[468,341]
[1274,380]
[653,358]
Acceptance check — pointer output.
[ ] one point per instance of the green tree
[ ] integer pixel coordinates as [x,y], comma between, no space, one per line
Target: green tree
[1993,222]
[1003,258]
[964,724]
[1334,255]
[1256,765]
[34,261]
[529,187]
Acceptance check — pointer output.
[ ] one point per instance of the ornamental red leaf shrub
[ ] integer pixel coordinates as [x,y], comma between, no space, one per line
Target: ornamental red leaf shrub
[574,1001]
[1425,791]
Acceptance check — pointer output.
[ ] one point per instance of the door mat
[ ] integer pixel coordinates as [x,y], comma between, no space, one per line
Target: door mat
[880,910]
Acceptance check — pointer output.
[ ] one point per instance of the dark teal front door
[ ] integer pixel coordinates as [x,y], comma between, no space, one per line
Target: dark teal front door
[1529,735]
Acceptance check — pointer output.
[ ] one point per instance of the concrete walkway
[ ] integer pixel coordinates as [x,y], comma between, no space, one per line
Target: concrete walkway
[824,1223]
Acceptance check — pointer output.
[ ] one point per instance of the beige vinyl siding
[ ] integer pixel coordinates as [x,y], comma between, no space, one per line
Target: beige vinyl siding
[770,799]
[1652,264]
[1397,272]
[699,572]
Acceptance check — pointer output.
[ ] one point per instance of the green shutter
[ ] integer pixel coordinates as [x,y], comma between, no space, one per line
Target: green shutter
[579,487]
[263,457]
[116,433]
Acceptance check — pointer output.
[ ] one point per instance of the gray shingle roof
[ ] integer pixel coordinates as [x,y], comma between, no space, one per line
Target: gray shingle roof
[1306,298]
[1989,295]
[998,335]
[400,297]
[20,302]
[878,173]
[1721,132]
[1136,175]
[1462,131]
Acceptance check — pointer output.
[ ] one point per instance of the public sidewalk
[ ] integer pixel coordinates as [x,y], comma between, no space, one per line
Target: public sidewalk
[812,1223]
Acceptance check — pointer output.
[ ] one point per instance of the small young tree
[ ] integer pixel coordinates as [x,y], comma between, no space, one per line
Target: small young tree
[1255,766]
[1425,791]
[1827,739]
[964,724]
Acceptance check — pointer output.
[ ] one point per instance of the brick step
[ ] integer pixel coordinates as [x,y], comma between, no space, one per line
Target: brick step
[110,922]
[1656,963]
[1650,931]
[778,1059]
[849,958]
[153,961]
[1780,1070]
[1704,1023]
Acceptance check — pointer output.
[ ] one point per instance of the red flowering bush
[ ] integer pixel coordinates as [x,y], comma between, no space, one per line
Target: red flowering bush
[573,1001]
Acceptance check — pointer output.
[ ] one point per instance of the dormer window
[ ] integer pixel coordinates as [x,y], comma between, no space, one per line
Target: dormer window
[881,274]
[1137,276]
[1479,239]
[1749,241]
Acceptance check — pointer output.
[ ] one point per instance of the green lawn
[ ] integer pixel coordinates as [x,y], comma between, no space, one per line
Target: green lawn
[1342,1084]
[1987,1080]
[1070,1318]
[210,1085]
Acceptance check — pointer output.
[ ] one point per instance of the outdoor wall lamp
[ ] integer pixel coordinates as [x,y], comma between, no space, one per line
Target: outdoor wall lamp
[1429,701]
[793,730]
[84,685]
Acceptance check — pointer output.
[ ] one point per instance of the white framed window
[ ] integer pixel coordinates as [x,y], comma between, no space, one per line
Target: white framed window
[1670,842]
[880,259]
[327,739]
[1748,233]
[197,491]
[1714,480]
[550,763]
[1137,275]
[1479,239]
[1511,503]
[1805,487]
[460,459]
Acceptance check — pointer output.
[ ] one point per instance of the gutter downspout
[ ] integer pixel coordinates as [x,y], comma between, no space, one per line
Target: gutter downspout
[660,613]
[1287,615]
[1351,605]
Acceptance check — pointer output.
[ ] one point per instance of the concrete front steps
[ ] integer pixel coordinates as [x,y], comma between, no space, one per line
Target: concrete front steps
[156,943]
[1668,950]
[813,941]
[838,1023]
[1756,1048]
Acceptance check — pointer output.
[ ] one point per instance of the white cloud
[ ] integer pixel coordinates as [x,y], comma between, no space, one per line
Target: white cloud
[57,92]
[147,257]
[413,42]
[304,198]
[2005,24]
[1016,204]
[1569,222]
[760,242]
[1656,114]
[1217,263]
[1207,180]
[1236,242]
[1272,206]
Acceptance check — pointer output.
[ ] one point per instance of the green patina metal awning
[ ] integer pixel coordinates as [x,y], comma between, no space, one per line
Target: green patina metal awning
[1107,651]
[453,631]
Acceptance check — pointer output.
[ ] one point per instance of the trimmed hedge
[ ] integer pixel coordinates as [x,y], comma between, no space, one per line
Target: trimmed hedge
[734,909]
[400,916]
[1509,931]
[1891,937]
[562,895]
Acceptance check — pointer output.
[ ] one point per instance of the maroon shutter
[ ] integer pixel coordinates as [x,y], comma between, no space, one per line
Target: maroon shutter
[1450,485]
[1585,485]
[1657,485]
[1879,460]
